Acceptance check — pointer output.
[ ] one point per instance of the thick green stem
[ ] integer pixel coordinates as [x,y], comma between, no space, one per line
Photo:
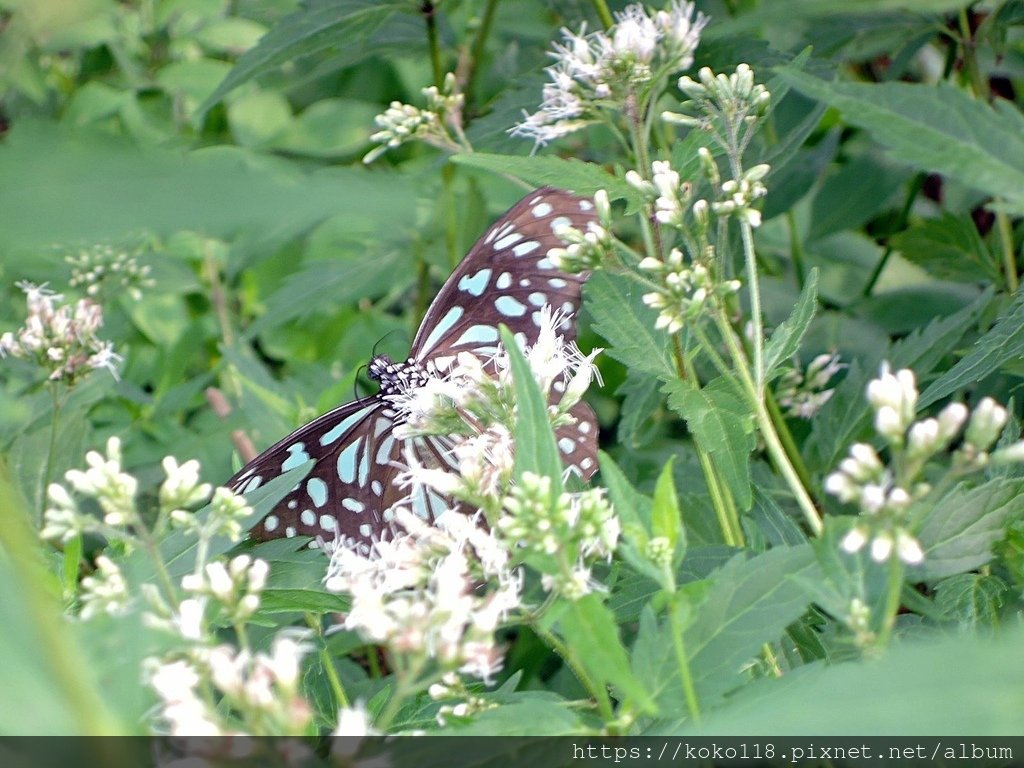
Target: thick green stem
[429,12]
[685,675]
[894,586]
[341,700]
[603,13]
[754,291]
[598,692]
[796,249]
[477,49]
[1006,246]
[786,438]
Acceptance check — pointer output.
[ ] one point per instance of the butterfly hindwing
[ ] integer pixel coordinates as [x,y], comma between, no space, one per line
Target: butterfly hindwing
[506,278]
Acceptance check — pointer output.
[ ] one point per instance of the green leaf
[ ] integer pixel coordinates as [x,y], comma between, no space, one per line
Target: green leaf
[1003,343]
[785,340]
[948,247]
[971,598]
[523,718]
[723,426]
[956,684]
[641,397]
[853,195]
[549,170]
[352,29]
[958,533]
[627,324]
[305,600]
[536,450]
[665,513]
[937,128]
[590,631]
[748,602]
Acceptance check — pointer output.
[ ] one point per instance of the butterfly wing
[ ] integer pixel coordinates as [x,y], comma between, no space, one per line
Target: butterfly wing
[506,278]
[343,493]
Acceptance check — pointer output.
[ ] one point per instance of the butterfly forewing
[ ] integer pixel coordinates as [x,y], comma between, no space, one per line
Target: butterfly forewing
[505,279]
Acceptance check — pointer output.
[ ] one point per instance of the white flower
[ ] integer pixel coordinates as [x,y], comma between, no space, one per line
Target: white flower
[354,721]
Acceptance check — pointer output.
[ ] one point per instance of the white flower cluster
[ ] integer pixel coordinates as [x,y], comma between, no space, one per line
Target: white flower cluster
[104,591]
[60,338]
[562,534]
[404,122]
[235,586]
[261,687]
[884,493]
[601,69]
[738,195]
[669,193]
[473,404]
[420,592]
[801,392]
[684,289]
[114,491]
[103,266]
[453,689]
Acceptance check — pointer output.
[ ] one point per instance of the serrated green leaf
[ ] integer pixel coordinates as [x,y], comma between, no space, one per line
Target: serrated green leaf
[723,426]
[536,450]
[352,28]
[523,718]
[747,603]
[627,324]
[971,598]
[1003,342]
[305,600]
[785,340]
[641,396]
[957,534]
[935,128]
[589,629]
[550,170]
[948,247]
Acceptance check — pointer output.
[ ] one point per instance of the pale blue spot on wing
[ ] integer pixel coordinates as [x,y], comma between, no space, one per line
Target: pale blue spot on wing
[475,284]
[420,505]
[317,490]
[478,334]
[542,209]
[252,483]
[504,280]
[347,461]
[342,427]
[510,307]
[384,451]
[557,282]
[308,518]
[537,299]
[507,240]
[364,469]
[443,326]
[566,444]
[524,248]
[297,456]
[560,223]
[353,505]
[328,523]
[545,263]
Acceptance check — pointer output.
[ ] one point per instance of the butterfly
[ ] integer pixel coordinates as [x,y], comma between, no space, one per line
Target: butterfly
[506,278]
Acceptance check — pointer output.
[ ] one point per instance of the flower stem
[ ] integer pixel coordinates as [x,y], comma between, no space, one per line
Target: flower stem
[328,664]
[754,286]
[679,647]
[600,695]
[51,450]
[892,599]
[1009,260]
[477,49]
[603,13]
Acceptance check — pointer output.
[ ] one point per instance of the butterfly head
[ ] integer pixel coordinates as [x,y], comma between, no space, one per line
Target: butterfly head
[396,378]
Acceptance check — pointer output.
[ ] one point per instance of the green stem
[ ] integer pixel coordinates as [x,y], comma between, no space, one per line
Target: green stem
[1006,244]
[978,83]
[894,586]
[477,49]
[764,423]
[754,286]
[403,690]
[786,438]
[328,664]
[796,249]
[600,695]
[603,13]
[51,450]
[429,11]
[901,223]
[685,676]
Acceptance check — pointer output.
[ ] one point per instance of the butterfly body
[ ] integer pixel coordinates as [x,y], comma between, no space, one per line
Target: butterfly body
[505,279]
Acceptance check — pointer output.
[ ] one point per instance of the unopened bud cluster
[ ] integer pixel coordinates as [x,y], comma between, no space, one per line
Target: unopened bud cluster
[684,289]
[735,97]
[885,493]
[236,586]
[585,250]
[567,531]
[801,392]
[104,268]
[401,123]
